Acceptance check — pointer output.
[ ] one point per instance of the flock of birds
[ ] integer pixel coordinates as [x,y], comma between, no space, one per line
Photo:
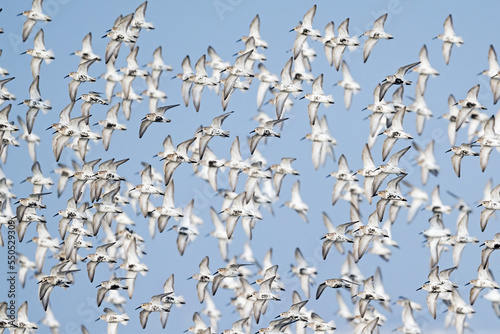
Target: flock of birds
[95,215]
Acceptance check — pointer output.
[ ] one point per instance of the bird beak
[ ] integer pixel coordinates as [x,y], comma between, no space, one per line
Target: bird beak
[302,98]
[20,103]
[66,76]
[96,320]
[138,308]
[448,151]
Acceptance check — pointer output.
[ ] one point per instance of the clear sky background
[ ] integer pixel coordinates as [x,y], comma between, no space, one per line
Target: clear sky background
[188,28]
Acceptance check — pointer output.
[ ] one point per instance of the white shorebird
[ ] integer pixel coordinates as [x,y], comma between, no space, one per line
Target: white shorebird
[409,323]
[254,56]
[139,20]
[374,35]
[471,102]
[200,80]
[367,295]
[491,203]
[334,283]
[461,239]
[212,165]
[218,65]
[419,106]
[341,41]
[239,69]
[112,284]
[154,305]
[146,189]
[396,79]
[296,202]
[490,139]
[323,142]
[264,131]
[439,283]
[335,236]
[419,197]
[168,208]
[38,180]
[492,73]
[427,161]
[174,159]
[235,211]
[156,117]
[344,175]
[491,245]
[380,109]
[285,87]
[113,319]
[81,75]
[394,133]
[59,276]
[266,79]
[461,310]
[303,30]
[437,205]
[112,76]
[186,230]
[187,72]
[118,34]
[316,98]
[86,52]
[350,86]
[262,297]
[33,15]
[110,124]
[39,53]
[392,193]
[133,68]
[231,270]
[203,277]
[213,130]
[107,206]
[424,69]
[369,172]
[255,33]
[449,38]
[328,43]
[22,323]
[280,170]
[5,95]
[158,65]
[364,234]
[304,272]
[132,265]
[458,153]
[236,164]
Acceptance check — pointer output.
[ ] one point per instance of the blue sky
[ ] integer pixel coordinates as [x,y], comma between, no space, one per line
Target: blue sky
[188,28]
